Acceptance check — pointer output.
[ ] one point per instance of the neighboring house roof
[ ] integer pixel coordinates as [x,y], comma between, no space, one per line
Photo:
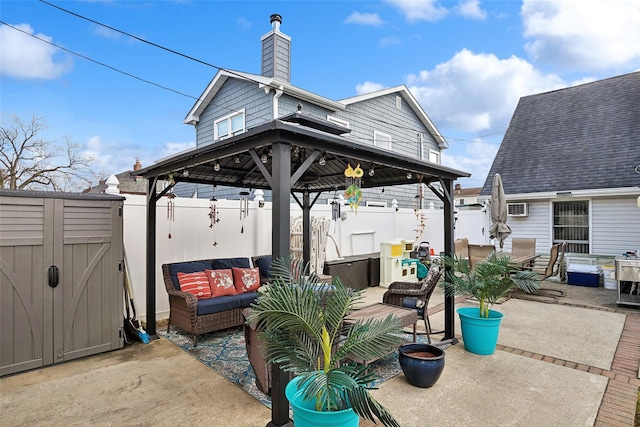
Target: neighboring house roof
[128,183]
[584,137]
[410,100]
[475,191]
[223,75]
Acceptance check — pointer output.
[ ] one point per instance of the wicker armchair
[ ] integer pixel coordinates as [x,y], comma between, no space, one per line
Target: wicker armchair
[419,291]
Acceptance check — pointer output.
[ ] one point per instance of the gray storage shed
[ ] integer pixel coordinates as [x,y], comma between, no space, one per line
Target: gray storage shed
[61,277]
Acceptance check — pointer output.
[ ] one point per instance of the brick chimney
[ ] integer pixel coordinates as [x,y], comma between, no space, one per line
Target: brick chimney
[276,52]
[137,166]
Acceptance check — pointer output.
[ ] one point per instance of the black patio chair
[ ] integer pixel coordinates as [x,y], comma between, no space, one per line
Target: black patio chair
[415,295]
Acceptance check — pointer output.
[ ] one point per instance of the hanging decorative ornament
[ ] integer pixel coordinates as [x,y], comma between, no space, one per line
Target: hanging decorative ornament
[335,207]
[171,209]
[417,209]
[244,207]
[214,217]
[353,180]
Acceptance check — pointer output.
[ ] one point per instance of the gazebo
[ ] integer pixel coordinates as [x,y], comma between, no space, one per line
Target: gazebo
[293,156]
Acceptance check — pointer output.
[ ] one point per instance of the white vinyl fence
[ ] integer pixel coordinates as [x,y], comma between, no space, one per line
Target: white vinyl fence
[187,235]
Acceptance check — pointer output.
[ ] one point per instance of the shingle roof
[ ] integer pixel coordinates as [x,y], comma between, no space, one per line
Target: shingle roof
[128,183]
[578,138]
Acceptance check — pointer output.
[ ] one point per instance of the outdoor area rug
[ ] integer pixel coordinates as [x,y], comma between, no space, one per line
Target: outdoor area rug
[224,352]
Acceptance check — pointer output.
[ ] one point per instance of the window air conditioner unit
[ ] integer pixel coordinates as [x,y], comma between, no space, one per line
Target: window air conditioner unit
[518,209]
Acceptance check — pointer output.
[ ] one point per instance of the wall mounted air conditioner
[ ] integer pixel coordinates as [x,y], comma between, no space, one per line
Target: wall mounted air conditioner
[518,209]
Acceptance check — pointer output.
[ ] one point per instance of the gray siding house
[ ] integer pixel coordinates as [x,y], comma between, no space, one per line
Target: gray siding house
[234,102]
[570,166]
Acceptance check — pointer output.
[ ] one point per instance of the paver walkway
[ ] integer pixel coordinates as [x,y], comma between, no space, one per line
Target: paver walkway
[618,407]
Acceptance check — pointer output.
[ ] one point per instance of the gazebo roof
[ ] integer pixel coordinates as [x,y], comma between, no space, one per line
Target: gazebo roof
[311,138]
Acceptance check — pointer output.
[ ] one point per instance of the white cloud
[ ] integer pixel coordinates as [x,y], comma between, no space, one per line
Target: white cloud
[477,92]
[476,159]
[368,87]
[364,19]
[171,148]
[389,41]
[106,33]
[593,35]
[26,57]
[243,23]
[423,10]
[112,158]
[471,9]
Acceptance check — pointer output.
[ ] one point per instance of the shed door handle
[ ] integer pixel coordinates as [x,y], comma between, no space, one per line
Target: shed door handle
[54,276]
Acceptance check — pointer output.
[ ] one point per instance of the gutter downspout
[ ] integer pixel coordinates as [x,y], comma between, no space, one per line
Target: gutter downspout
[277,93]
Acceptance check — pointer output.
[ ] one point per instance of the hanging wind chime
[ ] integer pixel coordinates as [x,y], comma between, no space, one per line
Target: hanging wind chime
[171,210]
[244,207]
[353,181]
[214,217]
[417,209]
[335,207]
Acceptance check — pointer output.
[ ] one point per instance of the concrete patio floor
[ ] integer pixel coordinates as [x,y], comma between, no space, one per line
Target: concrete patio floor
[566,364]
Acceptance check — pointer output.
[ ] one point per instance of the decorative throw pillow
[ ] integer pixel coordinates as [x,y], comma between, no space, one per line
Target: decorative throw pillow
[246,279]
[221,282]
[264,264]
[195,283]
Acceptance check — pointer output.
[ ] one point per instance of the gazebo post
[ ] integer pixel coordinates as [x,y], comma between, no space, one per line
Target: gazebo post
[306,228]
[151,256]
[449,248]
[281,225]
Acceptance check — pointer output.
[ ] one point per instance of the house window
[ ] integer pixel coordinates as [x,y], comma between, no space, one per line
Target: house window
[434,156]
[382,140]
[230,125]
[571,224]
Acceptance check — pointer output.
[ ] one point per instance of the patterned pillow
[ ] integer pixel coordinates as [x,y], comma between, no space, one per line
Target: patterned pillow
[246,279]
[221,283]
[195,283]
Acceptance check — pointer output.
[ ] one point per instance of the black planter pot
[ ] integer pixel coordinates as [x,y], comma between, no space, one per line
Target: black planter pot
[421,364]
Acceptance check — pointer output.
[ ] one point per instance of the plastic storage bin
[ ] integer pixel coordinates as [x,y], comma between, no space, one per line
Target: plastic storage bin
[583,275]
[609,275]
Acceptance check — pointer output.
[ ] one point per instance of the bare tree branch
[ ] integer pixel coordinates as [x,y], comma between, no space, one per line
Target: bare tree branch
[28,162]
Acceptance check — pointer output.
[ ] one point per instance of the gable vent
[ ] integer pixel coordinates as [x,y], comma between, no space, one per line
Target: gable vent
[517,209]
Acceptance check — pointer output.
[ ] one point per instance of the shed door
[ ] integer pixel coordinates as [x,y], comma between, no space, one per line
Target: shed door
[88,301]
[26,301]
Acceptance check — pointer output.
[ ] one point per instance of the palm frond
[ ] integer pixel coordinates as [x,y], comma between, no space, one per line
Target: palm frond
[371,339]
[488,281]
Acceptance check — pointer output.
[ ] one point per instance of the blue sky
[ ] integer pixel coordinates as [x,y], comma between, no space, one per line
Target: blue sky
[467,62]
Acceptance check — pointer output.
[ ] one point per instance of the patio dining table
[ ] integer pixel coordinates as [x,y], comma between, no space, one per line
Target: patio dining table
[521,261]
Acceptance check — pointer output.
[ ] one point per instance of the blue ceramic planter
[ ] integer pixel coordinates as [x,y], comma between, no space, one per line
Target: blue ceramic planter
[305,415]
[420,369]
[480,335]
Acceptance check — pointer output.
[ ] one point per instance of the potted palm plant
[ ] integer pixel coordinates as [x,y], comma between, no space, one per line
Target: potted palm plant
[489,280]
[303,330]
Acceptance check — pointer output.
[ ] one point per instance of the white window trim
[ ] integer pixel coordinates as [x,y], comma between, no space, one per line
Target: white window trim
[590,207]
[436,153]
[338,121]
[228,118]
[377,134]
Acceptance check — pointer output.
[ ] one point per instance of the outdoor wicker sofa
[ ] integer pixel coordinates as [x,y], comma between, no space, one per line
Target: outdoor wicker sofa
[200,316]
